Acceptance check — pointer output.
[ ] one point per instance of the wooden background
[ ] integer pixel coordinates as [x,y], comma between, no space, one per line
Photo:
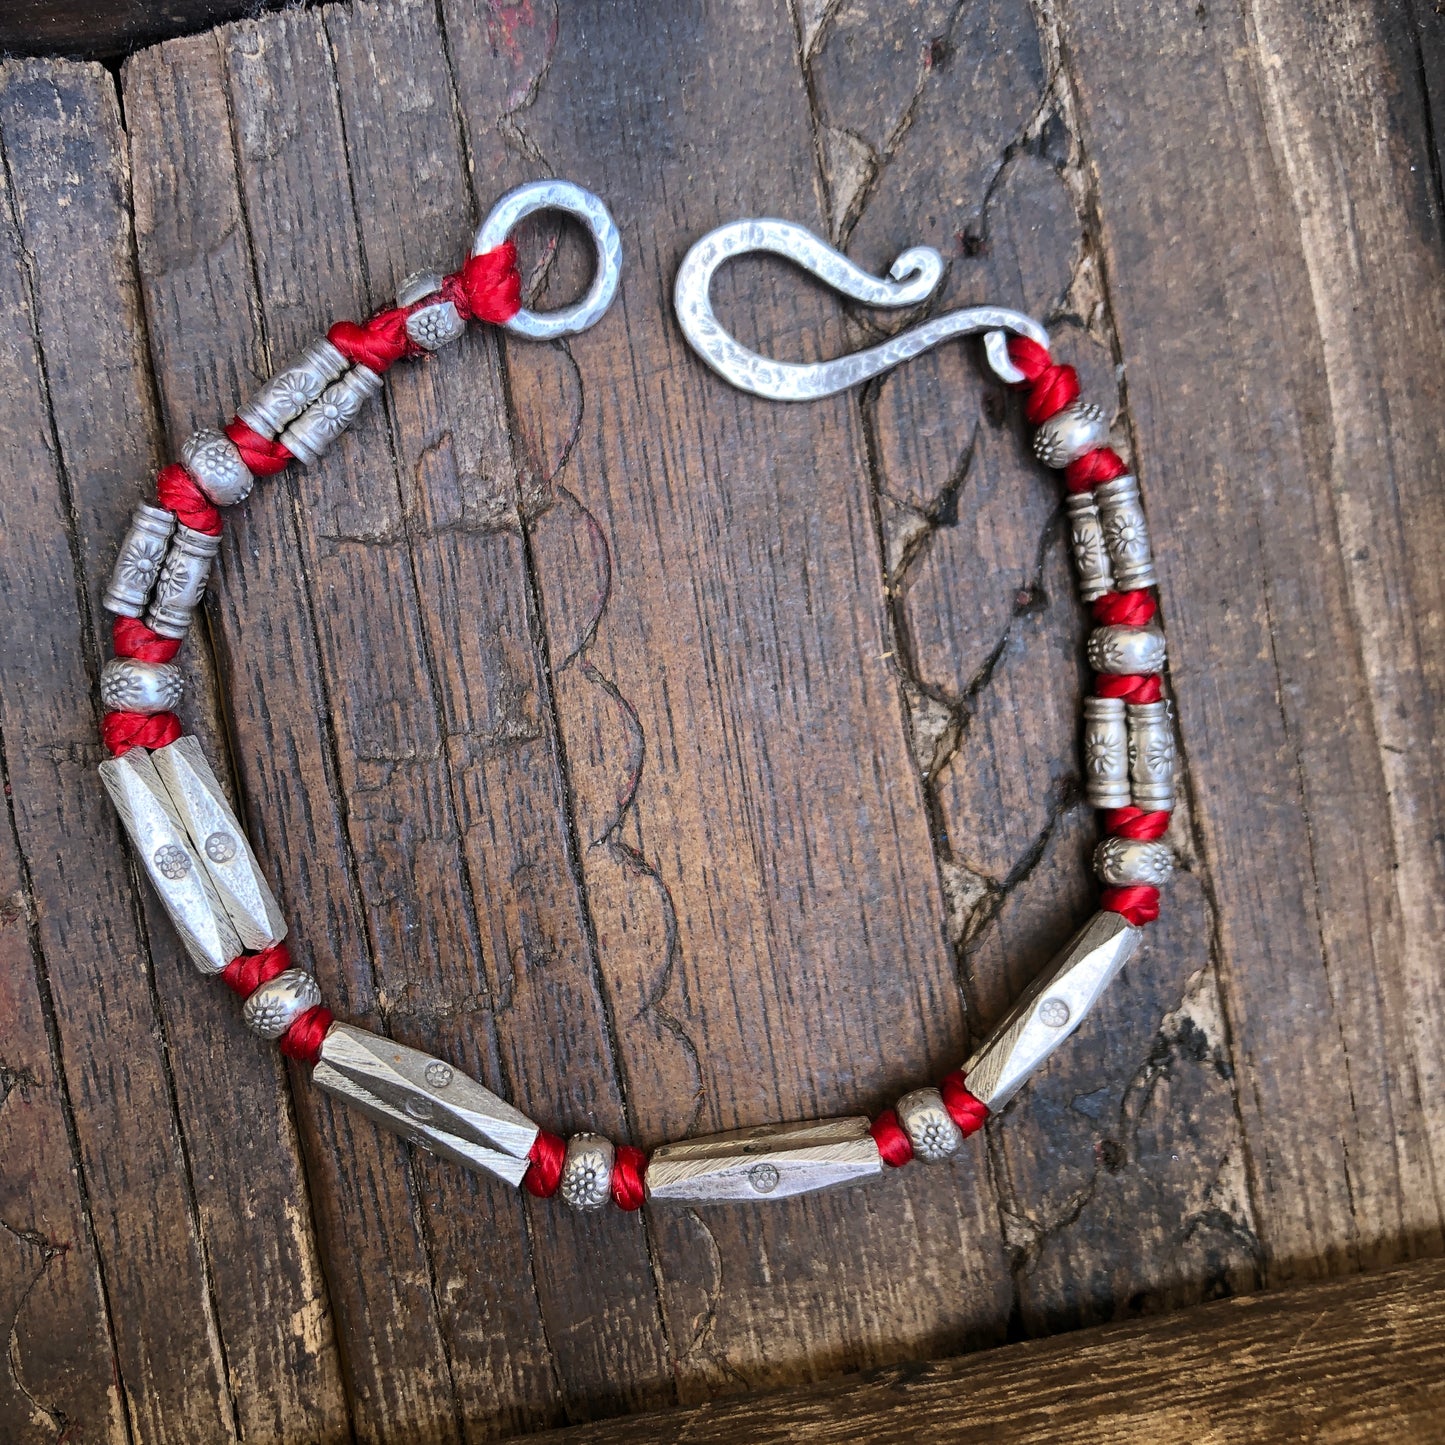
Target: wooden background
[675,760]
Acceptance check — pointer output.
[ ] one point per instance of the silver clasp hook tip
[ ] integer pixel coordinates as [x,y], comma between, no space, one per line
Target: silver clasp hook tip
[911,278]
[587,208]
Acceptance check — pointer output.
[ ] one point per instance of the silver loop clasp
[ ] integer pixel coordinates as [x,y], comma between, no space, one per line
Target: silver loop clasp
[911,278]
[559,196]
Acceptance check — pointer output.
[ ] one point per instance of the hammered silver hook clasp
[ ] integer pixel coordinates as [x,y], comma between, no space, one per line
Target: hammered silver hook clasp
[587,208]
[911,279]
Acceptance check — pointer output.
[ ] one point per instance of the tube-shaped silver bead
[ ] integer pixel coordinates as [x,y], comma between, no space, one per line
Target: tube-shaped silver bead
[587,1171]
[929,1125]
[1151,756]
[1106,753]
[1086,542]
[435,325]
[1128,863]
[278,1003]
[182,581]
[139,561]
[216,467]
[293,388]
[1121,651]
[1126,534]
[311,435]
[1078,428]
[129,685]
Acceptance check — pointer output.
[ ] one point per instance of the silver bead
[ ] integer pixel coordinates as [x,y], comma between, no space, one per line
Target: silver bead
[587,1172]
[1080,427]
[1126,651]
[1151,756]
[277,1004]
[1086,542]
[1106,753]
[182,581]
[138,561]
[160,842]
[929,1125]
[310,436]
[129,685]
[1127,863]
[293,388]
[1126,534]
[1051,1009]
[219,842]
[434,326]
[215,465]
[418,286]
[772,1162]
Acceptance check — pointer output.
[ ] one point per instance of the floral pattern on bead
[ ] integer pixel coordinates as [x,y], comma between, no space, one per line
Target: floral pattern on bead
[929,1126]
[172,861]
[587,1173]
[138,567]
[1103,755]
[1125,863]
[436,326]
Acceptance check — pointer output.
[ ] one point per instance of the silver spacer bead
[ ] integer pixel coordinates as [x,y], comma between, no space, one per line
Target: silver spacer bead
[182,581]
[1086,542]
[311,435]
[1126,534]
[418,286]
[1125,651]
[1080,427]
[1106,753]
[430,327]
[130,685]
[929,1125]
[1151,756]
[587,1173]
[215,465]
[1126,863]
[293,388]
[139,561]
[276,1005]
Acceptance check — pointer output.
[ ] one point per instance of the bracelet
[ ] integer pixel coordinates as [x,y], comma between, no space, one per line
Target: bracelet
[196,854]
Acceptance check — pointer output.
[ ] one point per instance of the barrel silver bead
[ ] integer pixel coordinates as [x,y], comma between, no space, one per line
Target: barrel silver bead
[435,325]
[138,562]
[1126,534]
[1131,863]
[587,1171]
[1086,542]
[1126,651]
[277,1004]
[1106,753]
[182,581]
[1078,428]
[293,388]
[129,685]
[216,467]
[311,435]
[929,1125]
[1151,756]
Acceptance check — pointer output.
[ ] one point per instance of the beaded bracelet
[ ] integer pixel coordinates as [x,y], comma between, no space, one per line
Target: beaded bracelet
[195,852]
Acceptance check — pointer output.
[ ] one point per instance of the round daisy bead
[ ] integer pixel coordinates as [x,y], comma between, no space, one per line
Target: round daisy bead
[929,1125]
[129,685]
[215,464]
[1128,863]
[1080,427]
[587,1171]
[276,1005]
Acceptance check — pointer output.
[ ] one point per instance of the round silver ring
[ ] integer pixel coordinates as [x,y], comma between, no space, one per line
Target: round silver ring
[559,196]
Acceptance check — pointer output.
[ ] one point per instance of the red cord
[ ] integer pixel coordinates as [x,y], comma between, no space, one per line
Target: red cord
[966,1111]
[488,287]
[130,637]
[629,1169]
[264,458]
[177,492]
[248,971]
[1085,473]
[1051,388]
[1135,824]
[893,1144]
[1124,609]
[548,1154]
[379,342]
[122,731]
[304,1038]
[1139,905]
[1129,686]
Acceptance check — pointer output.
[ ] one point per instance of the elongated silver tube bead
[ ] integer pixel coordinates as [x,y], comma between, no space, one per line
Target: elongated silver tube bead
[587,1171]
[138,563]
[182,581]
[929,1125]
[1151,756]
[312,434]
[279,1002]
[282,399]
[1106,753]
[1120,650]
[1086,542]
[216,467]
[1126,534]
[1078,428]
[1127,863]
[130,685]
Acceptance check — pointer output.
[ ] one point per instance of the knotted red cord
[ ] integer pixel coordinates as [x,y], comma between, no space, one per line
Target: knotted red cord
[122,731]
[264,457]
[1140,905]
[488,287]
[629,1168]
[130,637]
[1135,824]
[379,342]
[1084,473]
[177,492]
[304,1038]
[1126,609]
[893,1143]
[248,971]
[966,1111]
[548,1154]
[1131,687]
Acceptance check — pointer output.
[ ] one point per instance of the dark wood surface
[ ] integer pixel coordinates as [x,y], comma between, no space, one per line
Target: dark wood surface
[675,760]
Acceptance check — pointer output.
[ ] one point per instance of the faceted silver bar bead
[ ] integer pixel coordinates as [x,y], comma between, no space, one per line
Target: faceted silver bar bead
[139,561]
[311,435]
[129,685]
[1121,650]
[1128,863]
[1080,427]
[1051,1009]
[182,582]
[426,1101]
[216,467]
[929,1125]
[293,388]
[434,326]
[1125,533]
[271,1009]
[1086,542]
[1106,753]
[219,842]
[165,853]
[587,1171]
[1151,756]
[772,1162]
